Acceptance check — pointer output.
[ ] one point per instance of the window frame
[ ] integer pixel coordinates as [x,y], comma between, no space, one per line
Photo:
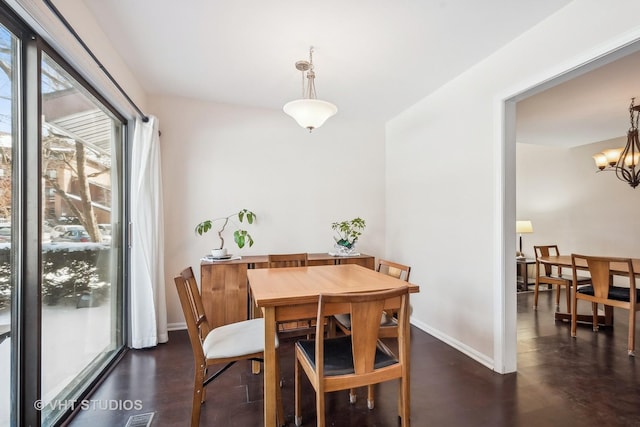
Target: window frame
[26,253]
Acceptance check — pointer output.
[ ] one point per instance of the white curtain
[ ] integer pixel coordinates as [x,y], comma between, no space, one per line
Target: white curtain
[147,288]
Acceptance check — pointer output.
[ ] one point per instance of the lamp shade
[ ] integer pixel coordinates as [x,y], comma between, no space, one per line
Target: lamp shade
[524,227]
[310,113]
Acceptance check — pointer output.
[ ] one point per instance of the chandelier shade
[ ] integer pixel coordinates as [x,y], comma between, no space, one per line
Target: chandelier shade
[625,161]
[309,112]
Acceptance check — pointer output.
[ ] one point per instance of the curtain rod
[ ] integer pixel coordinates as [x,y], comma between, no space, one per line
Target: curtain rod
[86,48]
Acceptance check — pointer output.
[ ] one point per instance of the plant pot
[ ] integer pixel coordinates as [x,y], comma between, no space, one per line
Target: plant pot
[345,248]
[219,253]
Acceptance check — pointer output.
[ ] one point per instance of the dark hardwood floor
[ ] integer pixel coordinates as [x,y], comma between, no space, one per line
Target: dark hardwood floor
[561,381]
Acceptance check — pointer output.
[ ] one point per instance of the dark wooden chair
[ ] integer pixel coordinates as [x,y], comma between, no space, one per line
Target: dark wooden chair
[359,359]
[603,291]
[225,344]
[548,275]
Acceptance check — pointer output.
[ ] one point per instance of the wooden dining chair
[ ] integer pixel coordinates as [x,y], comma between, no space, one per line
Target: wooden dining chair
[302,327]
[359,359]
[388,322]
[603,291]
[548,275]
[288,260]
[225,344]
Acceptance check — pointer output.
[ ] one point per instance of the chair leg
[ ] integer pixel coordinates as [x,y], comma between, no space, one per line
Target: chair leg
[535,295]
[279,408]
[574,314]
[594,315]
[320,408]
[352,396]
[204,389]
[370,396]
[558,287]
[198,394]
[298,403]
[568,297]
[632,332]
[404,403]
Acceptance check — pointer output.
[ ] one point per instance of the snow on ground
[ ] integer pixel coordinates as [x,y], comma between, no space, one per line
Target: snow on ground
[71,339]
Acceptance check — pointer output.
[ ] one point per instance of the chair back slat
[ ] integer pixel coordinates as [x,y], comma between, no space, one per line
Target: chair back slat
[600,272]
[364,333]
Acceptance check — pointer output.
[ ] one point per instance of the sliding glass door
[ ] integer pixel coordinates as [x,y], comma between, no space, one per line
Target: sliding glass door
[8,134]
[80,286]
[61,212]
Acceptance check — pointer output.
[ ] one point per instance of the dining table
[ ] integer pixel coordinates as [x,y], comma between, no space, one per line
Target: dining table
[292,293]
[617,269]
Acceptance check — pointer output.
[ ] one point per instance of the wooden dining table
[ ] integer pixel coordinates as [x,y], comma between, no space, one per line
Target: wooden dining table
[288,294]
[617,269]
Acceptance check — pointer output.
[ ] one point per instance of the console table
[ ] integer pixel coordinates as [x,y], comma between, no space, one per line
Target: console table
[522,279]
[224,283]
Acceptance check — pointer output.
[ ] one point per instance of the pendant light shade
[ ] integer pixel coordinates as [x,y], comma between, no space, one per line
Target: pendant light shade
[309,112]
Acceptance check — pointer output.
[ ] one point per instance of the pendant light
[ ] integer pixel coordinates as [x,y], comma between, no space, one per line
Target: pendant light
[309,112]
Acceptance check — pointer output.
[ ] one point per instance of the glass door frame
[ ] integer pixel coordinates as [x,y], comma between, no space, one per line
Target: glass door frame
[26,217]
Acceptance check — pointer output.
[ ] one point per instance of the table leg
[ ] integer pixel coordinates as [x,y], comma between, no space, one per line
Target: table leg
[270,380]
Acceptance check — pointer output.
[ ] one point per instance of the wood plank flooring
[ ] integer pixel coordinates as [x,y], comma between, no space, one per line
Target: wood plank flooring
[561,381]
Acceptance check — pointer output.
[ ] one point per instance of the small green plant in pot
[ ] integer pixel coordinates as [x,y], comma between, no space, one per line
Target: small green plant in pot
[240,236]
[347,234]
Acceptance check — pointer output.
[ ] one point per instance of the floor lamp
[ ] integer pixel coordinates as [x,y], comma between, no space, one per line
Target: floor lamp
[523,227]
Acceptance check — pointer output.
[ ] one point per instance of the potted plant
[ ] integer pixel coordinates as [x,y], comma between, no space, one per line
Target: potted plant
[240,236]
[347,234]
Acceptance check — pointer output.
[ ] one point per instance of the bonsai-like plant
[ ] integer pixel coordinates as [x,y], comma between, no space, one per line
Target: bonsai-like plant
[240,236]
[348,232]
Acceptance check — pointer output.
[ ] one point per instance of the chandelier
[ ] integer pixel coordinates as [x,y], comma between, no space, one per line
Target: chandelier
[624,161]
[309,112]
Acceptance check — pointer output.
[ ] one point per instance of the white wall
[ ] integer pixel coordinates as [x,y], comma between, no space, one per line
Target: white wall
[574,207]
[446,162]
[218,159]
[448,199]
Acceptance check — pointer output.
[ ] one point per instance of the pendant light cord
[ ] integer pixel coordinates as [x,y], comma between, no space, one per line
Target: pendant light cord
[95,59]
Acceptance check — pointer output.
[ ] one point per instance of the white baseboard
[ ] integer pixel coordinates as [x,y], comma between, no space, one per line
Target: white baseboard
[176,326]
[472,353]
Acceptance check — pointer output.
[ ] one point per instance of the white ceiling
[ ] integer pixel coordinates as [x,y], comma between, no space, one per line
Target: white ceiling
[373,58]
[592,106]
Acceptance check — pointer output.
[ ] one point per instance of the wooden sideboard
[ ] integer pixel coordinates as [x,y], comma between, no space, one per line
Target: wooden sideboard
[224,283]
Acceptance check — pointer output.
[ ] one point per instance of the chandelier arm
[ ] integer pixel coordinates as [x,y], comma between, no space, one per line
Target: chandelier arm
[626,167]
